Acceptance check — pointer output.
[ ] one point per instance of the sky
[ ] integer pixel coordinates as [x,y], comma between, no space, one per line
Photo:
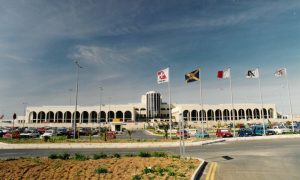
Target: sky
[122,44]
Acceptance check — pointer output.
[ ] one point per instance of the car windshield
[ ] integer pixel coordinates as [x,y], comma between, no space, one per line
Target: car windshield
[49,131]
[224,130]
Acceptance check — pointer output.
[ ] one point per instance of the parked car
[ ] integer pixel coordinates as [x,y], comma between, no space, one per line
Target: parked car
[244,132]
[12,135]
[183,133]
[199,134]
[223,133]
[30,134]
[62,131]
[258,130]
[111,135]
[280,129]
[49,133]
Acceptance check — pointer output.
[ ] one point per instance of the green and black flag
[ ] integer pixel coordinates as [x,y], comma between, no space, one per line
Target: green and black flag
[192,76]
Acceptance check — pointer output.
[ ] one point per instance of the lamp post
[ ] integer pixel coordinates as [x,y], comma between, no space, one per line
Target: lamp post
[101,89]
[74,120]
[25,105]
[70,90]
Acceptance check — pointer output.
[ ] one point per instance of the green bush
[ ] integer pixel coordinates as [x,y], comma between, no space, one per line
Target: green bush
[130,155]
[176,156]
[46,138]
[64,156]
[116,155]
[80,157]
[161,171]
[101,170]
[99,156]
[144,154]
[148,170]
[171,173]
[136,177]
[53,156]
[159,154]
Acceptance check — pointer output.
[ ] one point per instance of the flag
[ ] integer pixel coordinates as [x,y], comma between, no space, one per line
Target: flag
[163,76]
[252,73]
[192,76]
[224,74]
[280,72]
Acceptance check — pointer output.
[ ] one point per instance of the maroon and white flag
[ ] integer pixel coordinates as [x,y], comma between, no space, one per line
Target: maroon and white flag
[163,76]
[224,74]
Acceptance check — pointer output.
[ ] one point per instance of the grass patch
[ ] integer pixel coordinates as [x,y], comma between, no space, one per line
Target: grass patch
[148,170]
[80,157]
[136,177]
[144,154]
[101,170]
[99,156]
[159,154]
[117,155]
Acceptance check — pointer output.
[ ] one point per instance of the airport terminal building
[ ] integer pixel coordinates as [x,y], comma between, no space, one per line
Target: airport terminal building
[150,109]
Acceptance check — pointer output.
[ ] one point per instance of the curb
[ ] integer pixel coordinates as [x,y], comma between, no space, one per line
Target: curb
[199,171]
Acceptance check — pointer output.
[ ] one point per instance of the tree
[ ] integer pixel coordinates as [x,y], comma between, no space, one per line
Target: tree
[165,127]
[129,132]
[103,133]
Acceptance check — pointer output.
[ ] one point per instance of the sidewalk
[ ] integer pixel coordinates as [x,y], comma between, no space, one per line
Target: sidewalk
[137,145]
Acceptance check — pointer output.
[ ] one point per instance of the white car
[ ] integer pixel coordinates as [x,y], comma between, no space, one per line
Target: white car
[49,133]
[30,134]
[280,129]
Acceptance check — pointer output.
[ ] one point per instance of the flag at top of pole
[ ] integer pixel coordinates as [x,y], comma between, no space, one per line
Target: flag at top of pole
[253,73]
[224,74]
[280,72]
[163,76]
[192,76]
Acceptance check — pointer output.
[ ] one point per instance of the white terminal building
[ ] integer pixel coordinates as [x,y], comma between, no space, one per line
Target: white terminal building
[150,109]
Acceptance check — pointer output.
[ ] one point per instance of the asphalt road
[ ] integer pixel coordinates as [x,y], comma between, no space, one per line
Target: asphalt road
[138,134]
[263,159]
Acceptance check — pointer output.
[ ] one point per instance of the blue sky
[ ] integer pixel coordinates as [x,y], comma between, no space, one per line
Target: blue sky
[121,45]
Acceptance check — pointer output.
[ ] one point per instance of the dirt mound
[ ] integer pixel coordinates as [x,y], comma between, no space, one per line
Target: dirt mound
[118,168]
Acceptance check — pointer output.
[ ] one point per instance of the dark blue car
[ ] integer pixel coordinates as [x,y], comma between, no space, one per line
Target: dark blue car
[244,132]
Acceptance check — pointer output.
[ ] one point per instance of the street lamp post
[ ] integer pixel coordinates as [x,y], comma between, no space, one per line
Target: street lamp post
[74,120]
[101,89]
[25,105]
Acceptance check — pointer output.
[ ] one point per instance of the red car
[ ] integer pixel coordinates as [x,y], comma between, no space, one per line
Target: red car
[12,135]
[223,133]
[111,135]
[184,134]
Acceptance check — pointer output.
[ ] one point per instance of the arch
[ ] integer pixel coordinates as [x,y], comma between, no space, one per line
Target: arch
[226,114]
[128,116]
[242,114]
[233,113]
[77,116]
[249,114]
[84,117]
[59,117]
[41,116]
[119,115]
[67,117]
[186,115]
[111,116]
[93,116]
[271,113]
[256,114]
[202,115]
[218,114]
[32,117]
[264,113]
[50,117]
[102,117]
[194,115]
[210,115]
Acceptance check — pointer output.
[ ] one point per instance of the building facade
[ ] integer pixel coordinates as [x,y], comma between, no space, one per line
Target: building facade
[151,108]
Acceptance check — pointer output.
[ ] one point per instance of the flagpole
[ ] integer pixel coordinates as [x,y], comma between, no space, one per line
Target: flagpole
[232,106]
[262,104]
[170,111]
[289,94]
[201,101]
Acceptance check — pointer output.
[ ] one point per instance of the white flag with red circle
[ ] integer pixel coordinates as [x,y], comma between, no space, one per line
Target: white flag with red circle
[163,76]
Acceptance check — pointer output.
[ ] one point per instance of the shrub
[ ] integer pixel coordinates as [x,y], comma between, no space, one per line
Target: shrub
[159,154]
[144,154]
[176,156]
[191,166]
[80,157]
[46,138]
[181,175]
[99,156]
[136,177]
[101,170]
[161,171]
[116,155]
[148,170]
[171,173]
[130,155]
[64,156]
[53,156]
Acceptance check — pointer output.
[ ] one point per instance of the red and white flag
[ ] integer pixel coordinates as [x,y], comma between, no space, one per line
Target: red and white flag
[163,76]
[224,74]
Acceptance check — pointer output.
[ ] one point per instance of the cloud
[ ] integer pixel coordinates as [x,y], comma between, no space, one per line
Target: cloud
[107,55]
